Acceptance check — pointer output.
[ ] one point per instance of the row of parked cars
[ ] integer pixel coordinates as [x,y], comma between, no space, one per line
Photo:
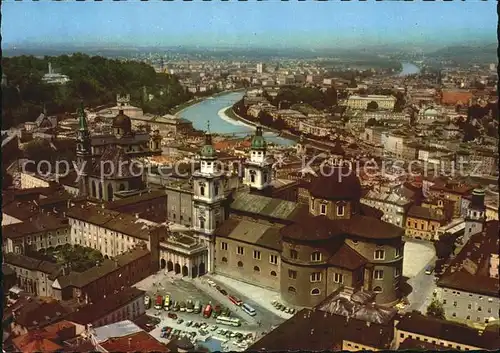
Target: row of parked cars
[282,307]
[244,306]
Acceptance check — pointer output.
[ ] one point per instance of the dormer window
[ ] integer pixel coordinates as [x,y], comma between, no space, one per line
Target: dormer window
[322,209]
[316,256]
[340,210]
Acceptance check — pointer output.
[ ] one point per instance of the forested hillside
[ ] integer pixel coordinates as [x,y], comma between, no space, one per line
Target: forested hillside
[95,80]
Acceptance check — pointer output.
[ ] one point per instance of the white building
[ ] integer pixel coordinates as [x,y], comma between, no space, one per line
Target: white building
[391,203]
[361,102]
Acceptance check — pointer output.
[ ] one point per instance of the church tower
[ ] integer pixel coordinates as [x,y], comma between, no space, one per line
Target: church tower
[258,170]
[209,197]
[476,214]
[83,152]
[208,188]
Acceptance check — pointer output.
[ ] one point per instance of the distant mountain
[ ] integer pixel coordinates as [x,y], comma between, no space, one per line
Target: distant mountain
[467,53]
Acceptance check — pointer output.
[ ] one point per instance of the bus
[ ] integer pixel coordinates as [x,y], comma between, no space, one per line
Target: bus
[159,302]
[167,303]
[248,309]
[208,311]
[234,300]
[229,321]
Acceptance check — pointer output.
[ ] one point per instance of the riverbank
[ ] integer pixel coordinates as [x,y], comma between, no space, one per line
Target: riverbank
[229,113]
[178,109]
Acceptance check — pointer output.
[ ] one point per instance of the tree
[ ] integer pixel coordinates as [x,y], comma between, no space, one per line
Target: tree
[372,106]
[445,246]
[435,309]
[331,96]
[371,122]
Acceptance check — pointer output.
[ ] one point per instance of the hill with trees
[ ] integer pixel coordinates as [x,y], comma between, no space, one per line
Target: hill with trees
[95,80]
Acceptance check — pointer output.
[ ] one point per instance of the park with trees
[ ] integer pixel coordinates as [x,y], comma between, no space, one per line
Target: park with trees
[95,80]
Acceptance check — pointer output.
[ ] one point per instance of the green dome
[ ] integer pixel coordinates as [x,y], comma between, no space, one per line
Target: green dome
[258,141]
[207,151]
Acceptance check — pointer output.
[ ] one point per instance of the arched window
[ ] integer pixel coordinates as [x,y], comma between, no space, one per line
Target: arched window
[273,273]
[292,290]
[315,291]
[256,268]
[340,210]
[252,178]
[202,190]
[240,264]
[224,259]
[377,289]
[122,187]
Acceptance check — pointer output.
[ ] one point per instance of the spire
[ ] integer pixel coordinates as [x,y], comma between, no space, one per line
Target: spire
[44,109]
[259,131]
[208,135]
[82,118]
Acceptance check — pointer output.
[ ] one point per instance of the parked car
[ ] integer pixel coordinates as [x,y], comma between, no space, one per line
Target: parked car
[197,307]
[189,306]
[176,306]
[429,269]
[180,321]
[147,302]
[189,323]
[159,302]
[211,283]
[207,311]
[172,316]
[196,325]
[182,306]
[223,291]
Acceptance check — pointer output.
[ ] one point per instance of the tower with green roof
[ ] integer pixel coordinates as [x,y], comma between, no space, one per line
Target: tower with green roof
[209,196]
[258,169]
[83,152]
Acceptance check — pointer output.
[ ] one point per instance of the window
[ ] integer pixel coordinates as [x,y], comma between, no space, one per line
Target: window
[256,268]
[479,308]
[378,274]
[338,278]
[316,277]
[398,252]
[454,315]
[322,209]
[468,317]
[292,274]
[240,250]
[240,264]
[444,301]
[489,310]
[202,191]
[455,304]
[316,256]
[340,210]
[273,259]
[273,273]
[469,306]
[294,254]
[315,291]
[256,254]
[397,272]
[224,259]
[292,290]
[377,289]
[379,254]
[223,245]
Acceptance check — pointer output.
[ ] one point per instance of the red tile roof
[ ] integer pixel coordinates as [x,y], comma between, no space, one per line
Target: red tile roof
[455,97]
[136,342]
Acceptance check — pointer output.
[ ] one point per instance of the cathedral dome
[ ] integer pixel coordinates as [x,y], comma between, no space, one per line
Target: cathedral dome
[258,141]
[336,183]
[122,121]
[207,150]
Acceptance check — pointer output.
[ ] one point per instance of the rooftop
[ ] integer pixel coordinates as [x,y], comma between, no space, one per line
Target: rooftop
[100,309]
[448,331]
[469,270]
[135,342]
[425,213]
[251,232]
[316,330]
[265,206]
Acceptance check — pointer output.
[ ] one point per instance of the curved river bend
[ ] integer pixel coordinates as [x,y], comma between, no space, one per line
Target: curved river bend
[212,110]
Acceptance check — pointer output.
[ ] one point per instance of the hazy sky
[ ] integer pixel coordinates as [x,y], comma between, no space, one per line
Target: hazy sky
[260,24]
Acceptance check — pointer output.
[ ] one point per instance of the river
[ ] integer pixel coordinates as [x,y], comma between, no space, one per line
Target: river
[409,69]
[212,110]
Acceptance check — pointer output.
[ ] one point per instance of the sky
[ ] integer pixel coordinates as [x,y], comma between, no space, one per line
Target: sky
[271,23]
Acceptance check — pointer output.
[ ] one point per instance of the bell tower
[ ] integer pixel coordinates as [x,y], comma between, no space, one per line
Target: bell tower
[209,196]
[83,152]
[258,170]
[476,214]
